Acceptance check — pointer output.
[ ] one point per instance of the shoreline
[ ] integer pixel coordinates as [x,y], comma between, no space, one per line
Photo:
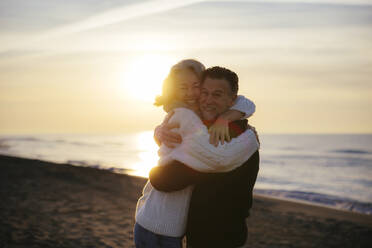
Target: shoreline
[123,171]
[61,205]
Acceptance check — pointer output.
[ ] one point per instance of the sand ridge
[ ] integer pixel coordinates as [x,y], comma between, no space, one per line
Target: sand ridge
[58,205]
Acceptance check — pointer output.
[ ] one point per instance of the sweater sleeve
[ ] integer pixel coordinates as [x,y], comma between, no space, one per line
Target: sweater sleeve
[245,106]
[196,152]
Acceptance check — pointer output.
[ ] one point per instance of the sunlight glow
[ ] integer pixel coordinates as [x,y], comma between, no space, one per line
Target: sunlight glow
[148,156]
[143,78]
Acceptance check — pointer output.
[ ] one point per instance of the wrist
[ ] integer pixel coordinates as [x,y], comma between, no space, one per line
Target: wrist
[221,120]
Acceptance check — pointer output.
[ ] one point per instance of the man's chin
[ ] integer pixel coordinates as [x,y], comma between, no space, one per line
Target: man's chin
[209,116]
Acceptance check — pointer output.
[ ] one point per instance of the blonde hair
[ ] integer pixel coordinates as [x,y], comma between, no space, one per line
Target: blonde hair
[168,92]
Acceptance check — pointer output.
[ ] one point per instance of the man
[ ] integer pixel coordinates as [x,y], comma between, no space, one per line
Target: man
[220,202]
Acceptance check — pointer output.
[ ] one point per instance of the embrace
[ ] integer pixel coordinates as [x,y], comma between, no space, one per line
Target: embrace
[209,160]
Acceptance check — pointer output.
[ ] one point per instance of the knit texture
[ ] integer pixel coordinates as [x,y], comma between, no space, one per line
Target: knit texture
[196,151]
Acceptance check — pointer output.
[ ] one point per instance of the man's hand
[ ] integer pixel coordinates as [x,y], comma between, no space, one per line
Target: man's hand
[164,135]
[219,131]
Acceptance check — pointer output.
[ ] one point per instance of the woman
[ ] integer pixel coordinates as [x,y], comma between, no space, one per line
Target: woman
[161,217]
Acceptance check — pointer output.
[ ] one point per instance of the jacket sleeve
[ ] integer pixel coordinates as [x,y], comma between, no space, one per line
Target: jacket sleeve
[177,176]
[245,106]
[173,176]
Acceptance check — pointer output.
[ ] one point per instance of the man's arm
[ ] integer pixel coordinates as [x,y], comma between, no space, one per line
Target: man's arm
[172,177]
[176,176]
[163,133]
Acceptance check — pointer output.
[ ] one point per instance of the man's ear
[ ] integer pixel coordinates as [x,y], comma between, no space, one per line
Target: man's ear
[233,99]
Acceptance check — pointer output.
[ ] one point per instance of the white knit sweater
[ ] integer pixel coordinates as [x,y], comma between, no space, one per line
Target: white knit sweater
[166,213]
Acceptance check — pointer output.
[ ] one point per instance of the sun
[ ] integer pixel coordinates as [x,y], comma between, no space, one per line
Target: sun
[148,156]
[143,77]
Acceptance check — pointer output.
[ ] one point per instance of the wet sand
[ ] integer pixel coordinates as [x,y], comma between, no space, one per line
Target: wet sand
[57,205]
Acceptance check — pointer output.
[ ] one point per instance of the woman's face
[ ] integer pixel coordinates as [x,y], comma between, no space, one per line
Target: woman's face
[187,88]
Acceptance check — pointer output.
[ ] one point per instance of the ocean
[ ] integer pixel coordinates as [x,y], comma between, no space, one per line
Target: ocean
[330,170]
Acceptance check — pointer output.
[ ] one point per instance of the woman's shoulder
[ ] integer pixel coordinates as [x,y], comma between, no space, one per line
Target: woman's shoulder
[185,115]
[183,110]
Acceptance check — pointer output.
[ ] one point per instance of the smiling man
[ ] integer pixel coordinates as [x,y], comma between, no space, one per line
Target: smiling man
[218,92]
[220,202]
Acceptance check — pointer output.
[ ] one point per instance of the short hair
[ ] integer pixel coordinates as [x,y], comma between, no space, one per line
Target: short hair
[218,72]
[168,91]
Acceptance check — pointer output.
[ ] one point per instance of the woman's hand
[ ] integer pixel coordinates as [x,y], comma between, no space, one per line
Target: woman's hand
[219,131]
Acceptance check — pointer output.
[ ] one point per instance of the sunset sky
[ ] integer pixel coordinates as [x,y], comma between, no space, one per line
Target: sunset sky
[92,66]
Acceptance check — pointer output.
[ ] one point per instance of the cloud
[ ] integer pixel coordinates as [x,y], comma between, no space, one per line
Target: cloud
[337,2]
[116,15]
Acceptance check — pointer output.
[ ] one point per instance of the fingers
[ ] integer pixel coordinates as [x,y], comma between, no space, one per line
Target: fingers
[170,137]
[227,135]
[221,137]
[169,144]
[218,134]
[167,136]
[211,136]
[224,135]
[213,139]
[170,126]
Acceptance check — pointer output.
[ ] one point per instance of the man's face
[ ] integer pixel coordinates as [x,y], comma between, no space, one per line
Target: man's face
[215,98]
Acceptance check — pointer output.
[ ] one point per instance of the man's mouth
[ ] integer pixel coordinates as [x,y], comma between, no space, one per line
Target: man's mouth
[209,109]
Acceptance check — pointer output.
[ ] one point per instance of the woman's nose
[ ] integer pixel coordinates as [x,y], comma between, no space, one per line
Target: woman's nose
[190,92]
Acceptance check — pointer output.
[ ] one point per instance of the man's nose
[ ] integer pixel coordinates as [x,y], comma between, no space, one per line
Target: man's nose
[208,99]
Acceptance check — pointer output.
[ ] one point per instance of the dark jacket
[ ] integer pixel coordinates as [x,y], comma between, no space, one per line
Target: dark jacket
[220,202]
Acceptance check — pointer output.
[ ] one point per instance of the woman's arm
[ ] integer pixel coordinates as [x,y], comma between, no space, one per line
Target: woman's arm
[219,131]
[244,105]
[242,109]
[196,151]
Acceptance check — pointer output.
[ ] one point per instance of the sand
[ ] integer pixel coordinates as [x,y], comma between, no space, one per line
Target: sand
[57,205]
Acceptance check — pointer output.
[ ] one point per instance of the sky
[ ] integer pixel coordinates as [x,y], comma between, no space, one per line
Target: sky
[90,66]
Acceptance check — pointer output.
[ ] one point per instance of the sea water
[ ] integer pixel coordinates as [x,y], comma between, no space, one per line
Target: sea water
[331,170]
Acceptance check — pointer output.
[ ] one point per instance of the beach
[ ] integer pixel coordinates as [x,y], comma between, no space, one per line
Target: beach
[59,205]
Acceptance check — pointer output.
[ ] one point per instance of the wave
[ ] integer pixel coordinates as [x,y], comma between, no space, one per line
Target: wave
[320,199]
[99,166]
[3,145]
[20,140]
[27,139]
[351,151]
